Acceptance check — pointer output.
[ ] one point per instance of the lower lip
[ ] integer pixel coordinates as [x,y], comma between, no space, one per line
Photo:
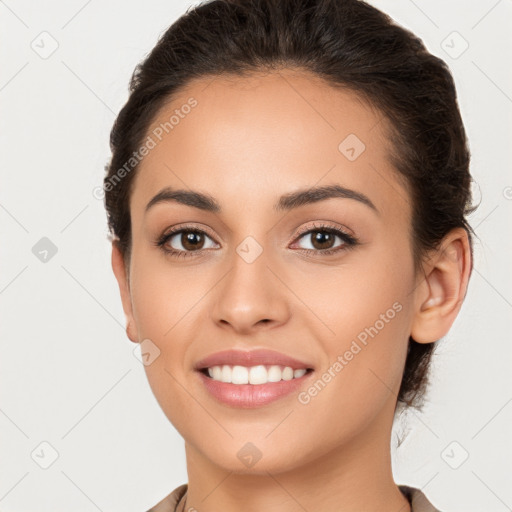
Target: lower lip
[248,396]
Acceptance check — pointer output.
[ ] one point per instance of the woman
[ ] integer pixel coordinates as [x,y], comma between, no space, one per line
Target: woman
[287,198]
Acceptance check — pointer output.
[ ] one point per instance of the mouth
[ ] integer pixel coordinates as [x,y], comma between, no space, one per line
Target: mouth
[255,375]
[252,367]
[248,379]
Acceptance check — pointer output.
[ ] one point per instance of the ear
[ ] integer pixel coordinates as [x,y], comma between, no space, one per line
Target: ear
[121,273]
[438,298]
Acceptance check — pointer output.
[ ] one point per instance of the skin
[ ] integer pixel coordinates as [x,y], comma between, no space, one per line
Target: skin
[247,142]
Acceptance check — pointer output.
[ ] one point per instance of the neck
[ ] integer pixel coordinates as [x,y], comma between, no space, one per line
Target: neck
[353,477]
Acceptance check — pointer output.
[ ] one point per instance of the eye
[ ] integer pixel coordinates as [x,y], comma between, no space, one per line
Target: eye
[322,239]
[187,241]
[182,242]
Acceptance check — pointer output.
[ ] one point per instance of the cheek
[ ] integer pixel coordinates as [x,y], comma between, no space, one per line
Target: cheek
[365,348]
[361,314]
[168,304]
[365,290]
[164,296]
[370,344]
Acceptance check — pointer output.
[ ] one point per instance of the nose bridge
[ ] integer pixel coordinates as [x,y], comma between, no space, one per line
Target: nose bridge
[250,293]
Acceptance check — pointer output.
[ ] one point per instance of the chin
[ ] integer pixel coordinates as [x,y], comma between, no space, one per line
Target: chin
[256,458]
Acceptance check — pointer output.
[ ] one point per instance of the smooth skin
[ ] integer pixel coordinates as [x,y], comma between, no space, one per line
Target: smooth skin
[247,142]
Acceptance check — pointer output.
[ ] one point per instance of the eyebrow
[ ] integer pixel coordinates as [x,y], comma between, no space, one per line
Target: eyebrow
[286,202]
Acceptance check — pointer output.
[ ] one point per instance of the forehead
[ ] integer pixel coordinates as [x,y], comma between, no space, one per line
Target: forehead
[248,139]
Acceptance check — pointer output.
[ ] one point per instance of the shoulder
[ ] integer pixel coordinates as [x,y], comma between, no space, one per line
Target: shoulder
[418,501]
[173,502]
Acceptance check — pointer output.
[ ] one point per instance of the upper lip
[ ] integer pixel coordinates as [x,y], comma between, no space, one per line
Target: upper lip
[250,358]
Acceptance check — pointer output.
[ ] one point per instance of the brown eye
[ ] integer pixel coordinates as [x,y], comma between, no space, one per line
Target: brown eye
[188,240]
[192,240]
[322,239]
[185,241]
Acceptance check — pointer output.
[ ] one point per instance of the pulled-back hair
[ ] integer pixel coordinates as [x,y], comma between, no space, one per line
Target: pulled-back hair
[349,44]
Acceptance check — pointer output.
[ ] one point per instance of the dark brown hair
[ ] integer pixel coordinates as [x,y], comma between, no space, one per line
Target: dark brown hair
[349,44]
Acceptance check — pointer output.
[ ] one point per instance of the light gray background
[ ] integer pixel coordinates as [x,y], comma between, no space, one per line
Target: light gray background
[69,377]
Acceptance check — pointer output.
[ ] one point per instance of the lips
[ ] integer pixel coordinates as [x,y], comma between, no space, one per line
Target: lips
[250,358]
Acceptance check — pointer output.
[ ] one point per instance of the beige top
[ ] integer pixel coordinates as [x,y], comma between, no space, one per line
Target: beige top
[175,502]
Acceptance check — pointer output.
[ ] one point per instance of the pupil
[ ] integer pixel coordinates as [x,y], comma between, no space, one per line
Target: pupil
[323,238]
[191,240]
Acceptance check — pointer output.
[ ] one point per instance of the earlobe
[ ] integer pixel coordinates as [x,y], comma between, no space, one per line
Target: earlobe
[121,274]
[439,297]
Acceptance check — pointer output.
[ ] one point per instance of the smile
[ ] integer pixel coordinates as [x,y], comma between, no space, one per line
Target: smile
[252,378]
[255,375]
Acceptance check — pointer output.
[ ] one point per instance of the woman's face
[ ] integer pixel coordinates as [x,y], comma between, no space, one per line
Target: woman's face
[258,275]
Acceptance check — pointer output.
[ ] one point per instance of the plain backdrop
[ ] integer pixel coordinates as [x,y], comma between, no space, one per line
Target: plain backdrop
[79,426]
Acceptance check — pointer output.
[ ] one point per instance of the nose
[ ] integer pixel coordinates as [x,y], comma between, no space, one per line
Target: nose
[251,297]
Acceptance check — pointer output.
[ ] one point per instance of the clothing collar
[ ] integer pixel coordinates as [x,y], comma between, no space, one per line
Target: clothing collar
[175,501]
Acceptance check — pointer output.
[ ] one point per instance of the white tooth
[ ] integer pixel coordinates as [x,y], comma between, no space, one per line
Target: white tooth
[288,373]
[240,375]
[274,373]
[226,373]
[217,372]
[257,374]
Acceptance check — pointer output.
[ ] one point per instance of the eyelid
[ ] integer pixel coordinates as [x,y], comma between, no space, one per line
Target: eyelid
[188,227]
[339,230]
[320,224]
[316,225]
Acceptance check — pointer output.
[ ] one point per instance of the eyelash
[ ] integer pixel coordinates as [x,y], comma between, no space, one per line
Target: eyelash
[349,240]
